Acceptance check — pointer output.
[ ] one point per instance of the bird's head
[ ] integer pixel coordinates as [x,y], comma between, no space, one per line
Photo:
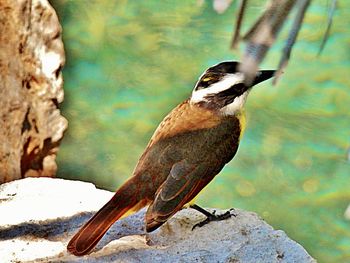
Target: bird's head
[221,87]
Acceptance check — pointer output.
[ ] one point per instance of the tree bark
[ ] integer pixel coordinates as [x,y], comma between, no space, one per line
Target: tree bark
[31,60]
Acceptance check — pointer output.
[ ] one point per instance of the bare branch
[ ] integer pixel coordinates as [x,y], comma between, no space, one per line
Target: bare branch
[263,34]
[332,9]
[293,33]
[240,15]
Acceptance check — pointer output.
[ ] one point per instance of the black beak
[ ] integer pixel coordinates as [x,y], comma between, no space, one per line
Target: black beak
[263,75]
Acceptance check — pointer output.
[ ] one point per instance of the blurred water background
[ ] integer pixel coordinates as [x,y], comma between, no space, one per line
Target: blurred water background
[130,62]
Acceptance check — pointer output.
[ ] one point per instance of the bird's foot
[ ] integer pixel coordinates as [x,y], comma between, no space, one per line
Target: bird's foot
[210,216]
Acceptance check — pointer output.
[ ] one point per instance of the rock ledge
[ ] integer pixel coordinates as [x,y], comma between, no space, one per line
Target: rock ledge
[39,215]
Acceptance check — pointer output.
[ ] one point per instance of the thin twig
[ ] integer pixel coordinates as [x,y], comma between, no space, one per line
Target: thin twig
[303,5]
[329,24]
[237,30]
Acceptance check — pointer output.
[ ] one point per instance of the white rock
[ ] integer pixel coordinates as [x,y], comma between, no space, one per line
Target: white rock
[39,215]
[347,213]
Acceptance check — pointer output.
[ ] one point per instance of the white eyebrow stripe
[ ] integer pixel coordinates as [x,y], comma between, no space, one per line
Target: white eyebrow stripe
[224,84]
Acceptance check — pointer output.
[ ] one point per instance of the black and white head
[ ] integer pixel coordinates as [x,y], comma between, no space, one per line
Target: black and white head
[221,87]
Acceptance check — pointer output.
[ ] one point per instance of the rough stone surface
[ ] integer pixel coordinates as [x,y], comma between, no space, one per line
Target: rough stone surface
[39,215]
[31,59]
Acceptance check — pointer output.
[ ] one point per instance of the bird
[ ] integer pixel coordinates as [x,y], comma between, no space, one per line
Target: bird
[188,149]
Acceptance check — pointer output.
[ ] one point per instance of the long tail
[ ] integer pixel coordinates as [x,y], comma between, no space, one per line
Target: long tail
[125,199]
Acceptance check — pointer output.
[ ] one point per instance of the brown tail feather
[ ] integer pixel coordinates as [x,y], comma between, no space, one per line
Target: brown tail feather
[89,235]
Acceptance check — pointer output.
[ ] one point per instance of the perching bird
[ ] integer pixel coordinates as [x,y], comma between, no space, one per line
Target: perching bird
[190,146]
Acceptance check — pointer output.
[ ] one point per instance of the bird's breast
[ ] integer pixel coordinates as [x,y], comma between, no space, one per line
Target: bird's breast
[241,117]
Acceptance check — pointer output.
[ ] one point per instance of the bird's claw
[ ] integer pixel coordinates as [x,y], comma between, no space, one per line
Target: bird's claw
[214,217]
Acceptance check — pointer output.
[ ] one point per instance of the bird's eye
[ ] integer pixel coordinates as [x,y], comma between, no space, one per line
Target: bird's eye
[204,83]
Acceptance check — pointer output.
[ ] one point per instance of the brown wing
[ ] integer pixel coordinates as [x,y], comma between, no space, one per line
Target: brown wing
[184,182]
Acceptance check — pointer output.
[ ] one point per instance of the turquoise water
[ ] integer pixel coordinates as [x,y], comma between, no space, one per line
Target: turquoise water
[130,62]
